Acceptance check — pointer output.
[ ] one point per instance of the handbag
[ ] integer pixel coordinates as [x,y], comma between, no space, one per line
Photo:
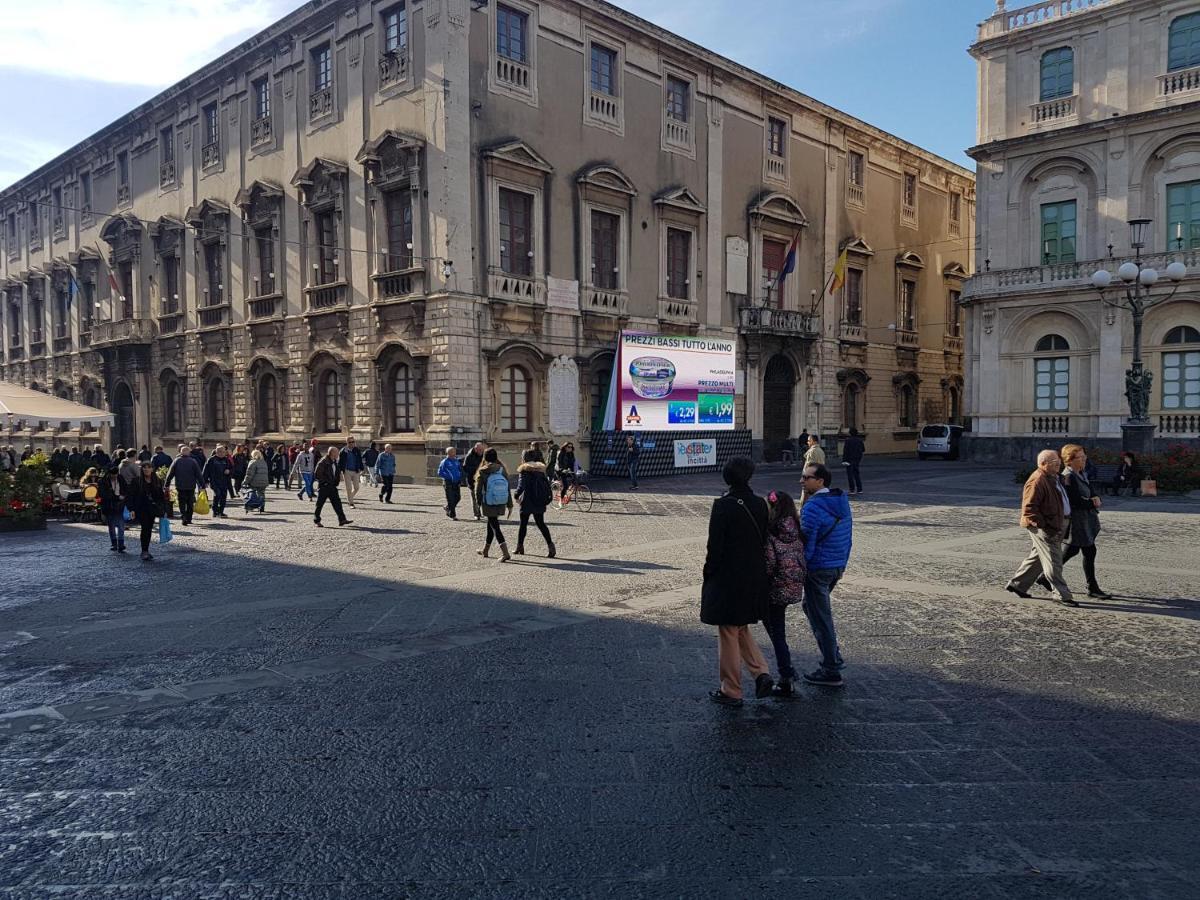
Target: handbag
[164,531]
[201,507]
[126,514]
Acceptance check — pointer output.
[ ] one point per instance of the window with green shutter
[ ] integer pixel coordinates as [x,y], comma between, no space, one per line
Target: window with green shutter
[1181,370]
[1058,233]
[1184,48]
[1183,215]
[1058,73]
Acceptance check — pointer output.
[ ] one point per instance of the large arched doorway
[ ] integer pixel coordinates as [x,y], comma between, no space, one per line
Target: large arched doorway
[779,384]
[122,407]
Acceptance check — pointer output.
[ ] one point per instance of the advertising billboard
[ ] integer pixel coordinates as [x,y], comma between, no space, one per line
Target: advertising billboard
[671,383]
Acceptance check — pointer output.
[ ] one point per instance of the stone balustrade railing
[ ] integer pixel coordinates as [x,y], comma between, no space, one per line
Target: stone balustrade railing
[1066,275]
[768,320]
[1006,20]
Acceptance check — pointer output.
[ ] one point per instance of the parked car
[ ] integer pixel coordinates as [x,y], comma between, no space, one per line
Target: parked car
[939,440]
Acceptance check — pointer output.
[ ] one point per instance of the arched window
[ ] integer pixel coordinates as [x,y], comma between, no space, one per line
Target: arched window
[514,400]
[403,400]
[91,398]
[1184,47]
[173,407]
[852,396]
[1058,73]
[217,419]
[268,403]
[1181,370]
[1050,343]
[907,402]
[329,401]
[1052,375]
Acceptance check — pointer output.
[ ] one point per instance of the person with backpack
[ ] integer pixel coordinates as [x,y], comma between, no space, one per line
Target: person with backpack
[495,500]
[450,470]
[534,494]
[735,591]
[786,569]
[385,468]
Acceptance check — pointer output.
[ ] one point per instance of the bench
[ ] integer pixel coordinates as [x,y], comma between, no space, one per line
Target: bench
[1106,479]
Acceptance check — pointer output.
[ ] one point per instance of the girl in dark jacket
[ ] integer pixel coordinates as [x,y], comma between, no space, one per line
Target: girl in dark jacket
[534,494]
[786,570]
[735,589]
[112,507]
[492,511]
[147,501]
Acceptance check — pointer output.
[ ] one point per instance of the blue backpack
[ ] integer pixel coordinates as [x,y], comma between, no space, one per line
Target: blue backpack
[495,493]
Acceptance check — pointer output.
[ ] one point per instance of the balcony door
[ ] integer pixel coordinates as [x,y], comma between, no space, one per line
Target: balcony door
[778,387]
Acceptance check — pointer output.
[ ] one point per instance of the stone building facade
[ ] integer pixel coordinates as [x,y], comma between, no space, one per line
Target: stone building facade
[1089,117]
[394,219]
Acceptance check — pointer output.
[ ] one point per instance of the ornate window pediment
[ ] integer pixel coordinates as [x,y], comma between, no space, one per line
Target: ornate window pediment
[120,229]
[167,233]
[607,178]
[954,270]
[780,207]
[391,157]
[321,182]
[518,153]
[680,198]
[910,260]
[259,200]
[857,247]
[208,216]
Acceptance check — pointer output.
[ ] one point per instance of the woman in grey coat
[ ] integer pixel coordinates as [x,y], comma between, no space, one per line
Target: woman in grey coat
[1085,515]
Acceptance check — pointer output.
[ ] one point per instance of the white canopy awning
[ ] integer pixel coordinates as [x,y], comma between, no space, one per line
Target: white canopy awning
[20,404]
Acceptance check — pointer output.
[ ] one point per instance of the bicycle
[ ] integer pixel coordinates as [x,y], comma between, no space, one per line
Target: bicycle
[578,493]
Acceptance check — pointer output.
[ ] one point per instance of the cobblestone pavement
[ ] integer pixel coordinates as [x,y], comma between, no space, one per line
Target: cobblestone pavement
[268,710]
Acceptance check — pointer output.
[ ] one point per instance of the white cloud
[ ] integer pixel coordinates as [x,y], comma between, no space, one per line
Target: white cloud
[20,154]
[145,42]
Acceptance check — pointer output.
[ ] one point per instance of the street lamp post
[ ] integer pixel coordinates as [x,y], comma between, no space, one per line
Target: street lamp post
[1137,432]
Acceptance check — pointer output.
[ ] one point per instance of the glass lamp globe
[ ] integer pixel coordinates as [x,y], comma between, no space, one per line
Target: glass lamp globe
[1177,271]
[1101,279]
[1128,271]
[1148,277]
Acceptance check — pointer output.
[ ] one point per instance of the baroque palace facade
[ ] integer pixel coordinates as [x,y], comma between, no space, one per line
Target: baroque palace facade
[395,219]
[1089,117]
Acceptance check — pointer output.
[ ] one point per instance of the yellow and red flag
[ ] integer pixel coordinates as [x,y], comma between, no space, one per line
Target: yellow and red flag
[839,273]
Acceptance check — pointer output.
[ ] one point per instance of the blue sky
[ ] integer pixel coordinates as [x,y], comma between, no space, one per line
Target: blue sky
[899,64]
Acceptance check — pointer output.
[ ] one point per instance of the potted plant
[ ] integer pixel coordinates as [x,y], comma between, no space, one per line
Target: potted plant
[23,495]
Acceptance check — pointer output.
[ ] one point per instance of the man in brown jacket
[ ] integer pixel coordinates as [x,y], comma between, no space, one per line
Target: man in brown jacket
[1045,512]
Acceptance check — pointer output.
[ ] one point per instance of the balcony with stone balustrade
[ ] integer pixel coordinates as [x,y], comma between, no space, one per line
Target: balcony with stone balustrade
[1007,20]
[121,332]
[1066,277]
[766,320]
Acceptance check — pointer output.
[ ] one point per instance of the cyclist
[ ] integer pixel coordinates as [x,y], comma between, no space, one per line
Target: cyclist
[566,467]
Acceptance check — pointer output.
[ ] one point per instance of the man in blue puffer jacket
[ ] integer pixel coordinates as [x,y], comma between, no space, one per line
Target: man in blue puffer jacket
[826,527]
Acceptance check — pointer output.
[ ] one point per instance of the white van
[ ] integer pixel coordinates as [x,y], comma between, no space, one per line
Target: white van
[939,440]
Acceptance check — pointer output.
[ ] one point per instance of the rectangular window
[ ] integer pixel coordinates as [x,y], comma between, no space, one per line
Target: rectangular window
[56,202]
[212,128]
[262,98]
[910,191]
[398,209]
[604,70]
[1181,380]
[85,191]
[322,68]
[516,237]
[36,318]
[854,296]
[908,306]
[170,298]
[327,259]
[679,258]
[677,98]
[954,315]
[1058,74]
[12,230]
[214,273]
[956,208]
[125,281]
[1183,216]
[1183,44]
[123,168]
[773,254]
[166,145]
[35,219]
[395,29]
[264,245]
[1058,233]
[776,136]
[1052,384]
[88,311]
[856,169]
[14,325]
[606,239]
[512,28]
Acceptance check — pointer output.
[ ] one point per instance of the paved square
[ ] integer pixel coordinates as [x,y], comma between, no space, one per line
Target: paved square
[269,710]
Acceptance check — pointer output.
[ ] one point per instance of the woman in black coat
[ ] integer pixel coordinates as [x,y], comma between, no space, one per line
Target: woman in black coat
[735,592]
[147,501]
[1084,498]
[534,494]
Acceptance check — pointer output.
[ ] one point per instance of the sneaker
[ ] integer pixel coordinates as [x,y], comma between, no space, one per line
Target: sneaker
[113,548]
[1012,588]
[723,699]
[1099,593]
[783,689]
[825,679]
[762,686]
[345,522]
[1064,601]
